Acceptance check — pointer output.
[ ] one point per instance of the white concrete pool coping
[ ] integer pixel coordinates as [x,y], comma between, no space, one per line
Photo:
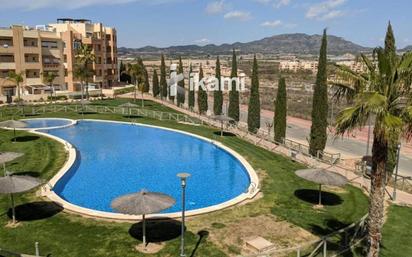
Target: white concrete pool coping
[47,190]
[71,123]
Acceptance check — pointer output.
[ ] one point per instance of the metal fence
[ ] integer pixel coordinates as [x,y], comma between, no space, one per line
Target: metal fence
[126,111]
[332,245]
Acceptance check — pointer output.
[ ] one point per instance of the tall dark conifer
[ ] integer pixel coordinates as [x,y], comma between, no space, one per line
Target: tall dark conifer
[191,99]
[390,48]
[279,122]
[318,132]
[146,86]
[181,94]
[155,84]
[202,95]
[124,77]
[234,93]
[218,94]
[253,118]
[163,82]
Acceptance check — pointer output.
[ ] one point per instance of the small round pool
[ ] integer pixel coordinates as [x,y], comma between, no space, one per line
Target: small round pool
[48,123]
[114,159]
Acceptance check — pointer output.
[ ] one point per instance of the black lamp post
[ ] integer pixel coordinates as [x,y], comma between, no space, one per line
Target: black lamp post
[183,177]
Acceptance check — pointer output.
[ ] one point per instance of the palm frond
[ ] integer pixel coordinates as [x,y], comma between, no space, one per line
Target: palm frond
[350,119]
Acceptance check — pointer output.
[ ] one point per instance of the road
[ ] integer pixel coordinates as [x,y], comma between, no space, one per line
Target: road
[350,147]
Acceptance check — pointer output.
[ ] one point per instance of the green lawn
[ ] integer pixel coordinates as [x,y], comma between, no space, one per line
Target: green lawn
[397,232]
[67,235]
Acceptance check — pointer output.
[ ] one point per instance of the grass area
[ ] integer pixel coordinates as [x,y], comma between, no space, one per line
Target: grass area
[397,232]
[68,235]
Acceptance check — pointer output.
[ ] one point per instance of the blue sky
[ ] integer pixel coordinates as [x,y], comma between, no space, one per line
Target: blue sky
[175,22]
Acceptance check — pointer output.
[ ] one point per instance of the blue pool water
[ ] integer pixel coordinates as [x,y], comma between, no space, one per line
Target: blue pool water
[116,159]
[46,123]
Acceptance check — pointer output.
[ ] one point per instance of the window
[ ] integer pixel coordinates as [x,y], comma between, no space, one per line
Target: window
[49,44]
[77,44]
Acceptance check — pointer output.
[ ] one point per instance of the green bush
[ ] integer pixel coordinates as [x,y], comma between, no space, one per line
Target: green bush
[122,91]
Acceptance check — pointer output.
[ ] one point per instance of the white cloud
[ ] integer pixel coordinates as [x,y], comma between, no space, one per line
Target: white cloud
[275,3]
[281,3]
[238,15]
[202,41]
[271,24]
[325,10]
[263,1]
[216,7]
[64,4]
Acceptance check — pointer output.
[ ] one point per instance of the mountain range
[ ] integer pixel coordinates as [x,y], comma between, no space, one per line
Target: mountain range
[297,43]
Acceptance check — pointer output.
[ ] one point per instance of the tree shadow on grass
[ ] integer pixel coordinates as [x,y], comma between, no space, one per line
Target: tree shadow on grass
[202,234]
[22,139]
[312,196]
[87,113]
[157,230]
[225,134]
[31,114]
[133,116]
[28,173]
[36,211]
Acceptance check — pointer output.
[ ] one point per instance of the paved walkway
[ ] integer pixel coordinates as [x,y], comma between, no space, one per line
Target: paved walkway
[360,181]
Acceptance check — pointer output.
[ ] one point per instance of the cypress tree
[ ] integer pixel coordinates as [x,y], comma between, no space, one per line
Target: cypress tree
[163,82]
[390,46]
[390,49]
[253,118]
[191,92]
[155,84]
[146,86]
[124,77]
[318,131]
[234,93]
[181,96]
[218,94]
[279,121]
[202,95]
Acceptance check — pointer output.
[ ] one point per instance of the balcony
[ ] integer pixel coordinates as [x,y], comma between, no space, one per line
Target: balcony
[47,66]
[7,66]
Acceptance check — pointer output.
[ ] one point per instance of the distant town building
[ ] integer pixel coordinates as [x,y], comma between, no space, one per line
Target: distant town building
[353,65]
[298,65]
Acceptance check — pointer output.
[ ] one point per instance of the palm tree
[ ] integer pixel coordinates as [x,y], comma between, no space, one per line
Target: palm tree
[17,78]
[83,75]
[136,71]
[48,78]
[382,92]
[85,57]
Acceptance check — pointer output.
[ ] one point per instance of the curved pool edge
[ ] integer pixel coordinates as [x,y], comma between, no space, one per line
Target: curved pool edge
[72,123]
[48,192]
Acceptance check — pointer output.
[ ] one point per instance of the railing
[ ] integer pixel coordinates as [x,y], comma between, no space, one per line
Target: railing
[293,146]
[331,245]
[35,110]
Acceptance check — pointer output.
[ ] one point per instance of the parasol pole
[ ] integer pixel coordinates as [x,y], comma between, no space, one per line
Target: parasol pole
[144,231]
[13,213]
[221,128]
[320,194]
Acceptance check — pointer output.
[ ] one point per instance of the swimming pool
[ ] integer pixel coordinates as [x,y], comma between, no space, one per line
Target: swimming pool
[38,123]
[114,159]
